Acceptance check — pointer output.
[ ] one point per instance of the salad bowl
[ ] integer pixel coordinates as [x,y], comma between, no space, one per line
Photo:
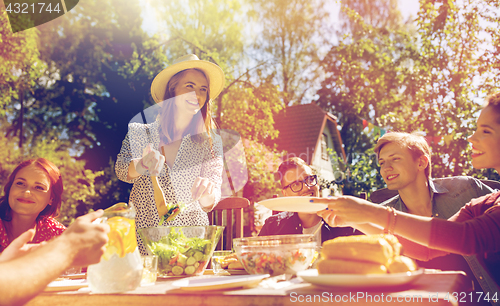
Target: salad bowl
[275,255]
[181,250]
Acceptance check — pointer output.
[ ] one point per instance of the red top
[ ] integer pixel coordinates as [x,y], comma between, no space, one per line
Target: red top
[475,230]
[46,229]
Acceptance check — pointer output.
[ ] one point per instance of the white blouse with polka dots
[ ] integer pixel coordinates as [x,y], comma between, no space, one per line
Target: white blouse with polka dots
[194,159]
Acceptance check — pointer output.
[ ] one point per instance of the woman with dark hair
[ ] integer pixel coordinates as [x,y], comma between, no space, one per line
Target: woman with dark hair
[180,147]
[31,200]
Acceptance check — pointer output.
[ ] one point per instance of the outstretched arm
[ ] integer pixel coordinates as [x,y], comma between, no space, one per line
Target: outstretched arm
[24,277]
[412,231]
[351,211]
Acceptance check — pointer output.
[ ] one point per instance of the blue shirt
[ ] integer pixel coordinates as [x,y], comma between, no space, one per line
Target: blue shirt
[448,196]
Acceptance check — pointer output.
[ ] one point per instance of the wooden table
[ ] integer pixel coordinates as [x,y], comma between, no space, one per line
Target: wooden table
[429,289]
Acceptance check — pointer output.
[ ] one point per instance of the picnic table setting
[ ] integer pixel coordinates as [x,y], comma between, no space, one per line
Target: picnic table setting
[184,267]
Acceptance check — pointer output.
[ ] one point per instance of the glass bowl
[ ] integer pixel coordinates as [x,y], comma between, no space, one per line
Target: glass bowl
[275,255]
[181,250]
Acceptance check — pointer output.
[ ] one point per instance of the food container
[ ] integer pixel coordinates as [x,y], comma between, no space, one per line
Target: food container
[280,254]
[120,268]
[181,250]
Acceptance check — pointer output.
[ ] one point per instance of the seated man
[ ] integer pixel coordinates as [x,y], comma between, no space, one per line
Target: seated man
[25,270]
[405,165]
[297,179]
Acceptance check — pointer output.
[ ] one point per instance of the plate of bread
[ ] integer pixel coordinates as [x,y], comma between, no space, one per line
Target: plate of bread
[293,204]
[362,261]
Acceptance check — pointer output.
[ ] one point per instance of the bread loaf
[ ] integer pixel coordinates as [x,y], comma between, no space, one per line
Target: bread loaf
[370,248]
[393,241]
[402,264]
[370,254]
[341,266]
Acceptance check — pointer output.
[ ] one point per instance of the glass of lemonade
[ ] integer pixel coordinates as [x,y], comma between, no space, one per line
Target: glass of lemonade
[120,268]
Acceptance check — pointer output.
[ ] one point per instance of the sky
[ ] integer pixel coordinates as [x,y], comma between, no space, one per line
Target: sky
[407,8]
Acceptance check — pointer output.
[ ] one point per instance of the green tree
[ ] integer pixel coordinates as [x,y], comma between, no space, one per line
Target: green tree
[101,65]
[21,75]
[421,79]
[20,70]
[379,14]
[448,73]
[290,44]
[20,64]
[365,72]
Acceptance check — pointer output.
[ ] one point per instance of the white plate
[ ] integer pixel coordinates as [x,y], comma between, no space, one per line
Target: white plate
[230,271]
[359,280]
[219,282]
[294,204]
[75,276]
[65,285]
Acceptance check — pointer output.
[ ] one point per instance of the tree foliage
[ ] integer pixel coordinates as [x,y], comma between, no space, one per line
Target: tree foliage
[20,65]
[422,79]
[365,72]
[99,66]
[379,14]
[290,42]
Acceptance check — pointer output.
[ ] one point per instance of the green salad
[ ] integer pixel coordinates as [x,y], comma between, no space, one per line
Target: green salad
[179,255]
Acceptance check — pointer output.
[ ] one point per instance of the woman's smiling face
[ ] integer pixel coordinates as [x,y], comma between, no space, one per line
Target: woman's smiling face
[30,192]
[486,140]
[191,92]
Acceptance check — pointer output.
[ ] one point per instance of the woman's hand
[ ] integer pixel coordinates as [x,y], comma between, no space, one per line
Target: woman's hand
[347,211]
[203,190]
[151,160]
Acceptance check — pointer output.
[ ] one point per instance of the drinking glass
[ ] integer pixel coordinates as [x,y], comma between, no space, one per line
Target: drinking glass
[217,259]
[150,272]
[120,268]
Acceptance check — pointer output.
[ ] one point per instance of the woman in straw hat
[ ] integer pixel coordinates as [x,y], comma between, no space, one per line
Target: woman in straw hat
[179,147]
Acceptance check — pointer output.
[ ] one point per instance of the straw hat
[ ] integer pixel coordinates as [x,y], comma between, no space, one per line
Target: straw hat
[213,72]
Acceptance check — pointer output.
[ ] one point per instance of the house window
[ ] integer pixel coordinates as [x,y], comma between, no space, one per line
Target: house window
[324,147]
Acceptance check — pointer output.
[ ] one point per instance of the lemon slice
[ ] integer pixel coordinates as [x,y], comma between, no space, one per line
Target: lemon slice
[114,246]
[124,229]
[130,241]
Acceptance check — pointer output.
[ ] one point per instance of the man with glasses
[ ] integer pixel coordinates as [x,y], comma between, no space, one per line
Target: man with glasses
[298,179]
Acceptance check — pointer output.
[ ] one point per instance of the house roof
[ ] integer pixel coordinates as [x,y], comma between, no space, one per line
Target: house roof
[300,128]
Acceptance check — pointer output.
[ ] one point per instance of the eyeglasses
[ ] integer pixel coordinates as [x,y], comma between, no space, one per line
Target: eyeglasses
[297,186]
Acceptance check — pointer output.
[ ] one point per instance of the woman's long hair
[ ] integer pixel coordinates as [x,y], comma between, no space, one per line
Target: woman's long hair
[199,129]
[56,185]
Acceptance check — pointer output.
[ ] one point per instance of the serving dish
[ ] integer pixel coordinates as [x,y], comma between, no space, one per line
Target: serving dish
[274,255]
[181,250]
[359,280]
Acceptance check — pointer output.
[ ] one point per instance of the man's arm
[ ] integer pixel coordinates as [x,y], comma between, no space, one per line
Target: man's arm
[349,211]
[368,229]
[81,244]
